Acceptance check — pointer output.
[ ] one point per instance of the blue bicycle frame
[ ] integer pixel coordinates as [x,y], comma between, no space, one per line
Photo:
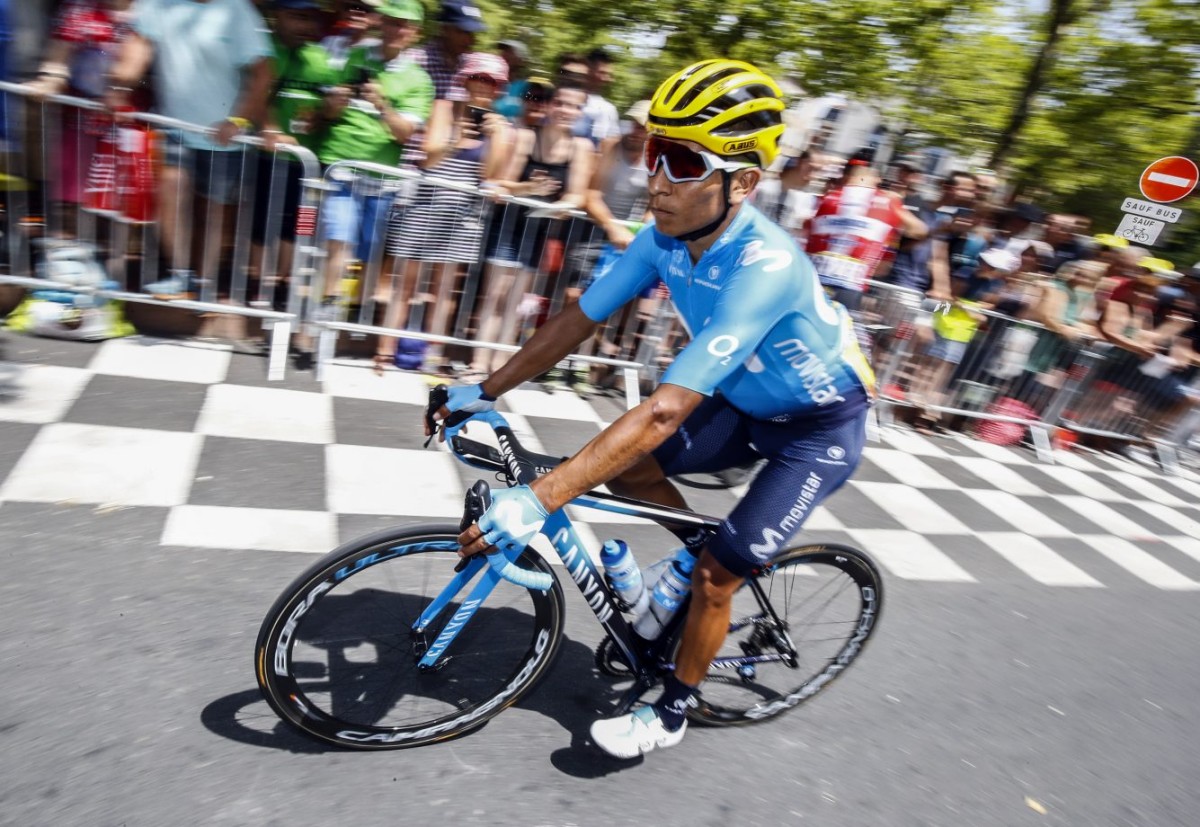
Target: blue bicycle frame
[522,467]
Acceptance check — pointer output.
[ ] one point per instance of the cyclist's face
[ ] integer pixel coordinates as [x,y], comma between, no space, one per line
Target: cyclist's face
[682,208]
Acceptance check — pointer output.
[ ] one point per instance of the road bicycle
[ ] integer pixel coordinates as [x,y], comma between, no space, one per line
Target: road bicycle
[393,641]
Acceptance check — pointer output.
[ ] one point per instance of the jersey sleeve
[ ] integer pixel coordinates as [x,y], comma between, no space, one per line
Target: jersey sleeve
[749,306]
[632,273]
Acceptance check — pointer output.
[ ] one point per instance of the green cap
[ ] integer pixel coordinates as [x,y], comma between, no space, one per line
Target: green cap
[403,10]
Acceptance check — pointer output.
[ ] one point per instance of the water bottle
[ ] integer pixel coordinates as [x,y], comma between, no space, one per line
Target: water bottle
[623,572]
[667,596]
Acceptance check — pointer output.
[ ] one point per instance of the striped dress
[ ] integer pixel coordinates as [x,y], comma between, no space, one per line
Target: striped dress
[441,224]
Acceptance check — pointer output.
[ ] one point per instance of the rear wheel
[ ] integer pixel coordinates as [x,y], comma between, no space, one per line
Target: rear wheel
[337,655]
[813,611]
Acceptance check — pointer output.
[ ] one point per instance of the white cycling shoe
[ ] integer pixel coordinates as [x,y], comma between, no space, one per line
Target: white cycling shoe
[635,734]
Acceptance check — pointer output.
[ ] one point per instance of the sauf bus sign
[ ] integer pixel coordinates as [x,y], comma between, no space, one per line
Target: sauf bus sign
[1166,180]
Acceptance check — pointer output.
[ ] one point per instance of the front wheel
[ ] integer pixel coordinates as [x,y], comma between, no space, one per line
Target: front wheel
[338,655]
[795,626]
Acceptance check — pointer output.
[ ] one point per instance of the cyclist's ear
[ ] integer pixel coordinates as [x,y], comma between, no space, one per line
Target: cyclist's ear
[743,183]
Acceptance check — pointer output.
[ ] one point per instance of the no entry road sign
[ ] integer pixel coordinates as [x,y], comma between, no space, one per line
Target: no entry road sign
[1169,179]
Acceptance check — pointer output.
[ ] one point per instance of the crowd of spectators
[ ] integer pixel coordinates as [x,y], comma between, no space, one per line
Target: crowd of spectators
[371,82]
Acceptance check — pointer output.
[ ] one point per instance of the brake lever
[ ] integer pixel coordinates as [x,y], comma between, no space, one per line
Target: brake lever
[438,397]
[477,501]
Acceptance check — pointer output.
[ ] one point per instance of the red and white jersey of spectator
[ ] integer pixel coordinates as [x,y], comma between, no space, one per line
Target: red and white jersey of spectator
[849,233]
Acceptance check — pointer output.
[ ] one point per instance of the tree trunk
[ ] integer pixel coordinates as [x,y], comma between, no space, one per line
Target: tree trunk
[1061,14]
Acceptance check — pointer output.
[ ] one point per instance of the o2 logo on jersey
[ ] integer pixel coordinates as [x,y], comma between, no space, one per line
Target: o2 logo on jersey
[755,253]
[723,346]
[836,452]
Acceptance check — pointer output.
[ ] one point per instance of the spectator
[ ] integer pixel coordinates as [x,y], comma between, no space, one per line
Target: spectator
[953,220]
[572,70]
[355,24]
[458,23]
[468,143]
[789,203]
[1018,220]
[616,198]
[547,163]
[1156,339]
[535,102]
[211,67]
[599,120]
[851,228]
[1060,235]
[84,41]
[301,70]
[516,55]
[953,329]
[384,97]
[1067,310]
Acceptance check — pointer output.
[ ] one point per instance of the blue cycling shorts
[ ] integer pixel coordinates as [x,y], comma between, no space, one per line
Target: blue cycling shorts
[806,462]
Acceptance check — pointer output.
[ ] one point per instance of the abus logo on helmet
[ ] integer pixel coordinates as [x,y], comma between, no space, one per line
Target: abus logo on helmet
[740,146]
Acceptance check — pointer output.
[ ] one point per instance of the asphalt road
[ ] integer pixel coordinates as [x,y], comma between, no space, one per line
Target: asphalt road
[128,698]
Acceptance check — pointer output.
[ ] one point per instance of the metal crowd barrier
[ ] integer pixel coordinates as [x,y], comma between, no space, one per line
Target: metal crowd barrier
[456,273]
[1019,372]
[82,183]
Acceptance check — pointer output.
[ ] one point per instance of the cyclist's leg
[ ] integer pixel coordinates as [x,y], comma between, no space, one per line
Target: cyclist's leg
[713,438]
[806,463]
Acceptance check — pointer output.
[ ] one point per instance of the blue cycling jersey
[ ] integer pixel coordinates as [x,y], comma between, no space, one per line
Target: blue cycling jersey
[764,335]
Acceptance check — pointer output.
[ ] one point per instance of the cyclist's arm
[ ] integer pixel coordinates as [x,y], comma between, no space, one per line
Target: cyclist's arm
[563,332]
[555,339]
[615,449]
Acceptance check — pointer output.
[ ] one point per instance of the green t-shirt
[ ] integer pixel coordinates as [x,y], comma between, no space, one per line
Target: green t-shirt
[360,134]
[300,78]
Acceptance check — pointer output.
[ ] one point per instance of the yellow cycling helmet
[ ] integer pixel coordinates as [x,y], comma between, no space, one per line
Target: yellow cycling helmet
[727,106]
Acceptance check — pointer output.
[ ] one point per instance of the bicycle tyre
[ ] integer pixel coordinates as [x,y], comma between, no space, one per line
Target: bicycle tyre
[351,612]
[831,570]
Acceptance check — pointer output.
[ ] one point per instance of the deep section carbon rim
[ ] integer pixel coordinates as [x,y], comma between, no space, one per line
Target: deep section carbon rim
[337,656]
[824,603]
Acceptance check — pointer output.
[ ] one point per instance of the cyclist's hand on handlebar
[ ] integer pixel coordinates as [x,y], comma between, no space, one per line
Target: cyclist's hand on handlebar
[468,399]
[514,517]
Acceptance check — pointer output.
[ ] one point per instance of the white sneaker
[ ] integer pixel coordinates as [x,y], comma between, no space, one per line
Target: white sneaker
[635,734]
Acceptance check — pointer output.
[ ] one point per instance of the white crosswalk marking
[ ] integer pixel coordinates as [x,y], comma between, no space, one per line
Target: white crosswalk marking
[1103,516]
[1036,559]
[999,475]
[1122,464]
[1188,545]
[1138,562]
[909,555]
[1189,487]
[912,443]
[1075,459]
[1171,517]
[997,452]
[912,508]
[909,468]
[1092,485]
[822,519]
[1019,513]
[1146,488]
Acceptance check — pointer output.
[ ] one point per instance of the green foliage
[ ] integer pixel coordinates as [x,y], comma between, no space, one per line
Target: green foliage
[1121,91]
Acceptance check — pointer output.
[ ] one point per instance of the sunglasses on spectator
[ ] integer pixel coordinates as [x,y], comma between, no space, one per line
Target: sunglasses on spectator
[682,165]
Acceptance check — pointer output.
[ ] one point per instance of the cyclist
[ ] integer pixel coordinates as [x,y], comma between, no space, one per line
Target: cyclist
[772,370]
